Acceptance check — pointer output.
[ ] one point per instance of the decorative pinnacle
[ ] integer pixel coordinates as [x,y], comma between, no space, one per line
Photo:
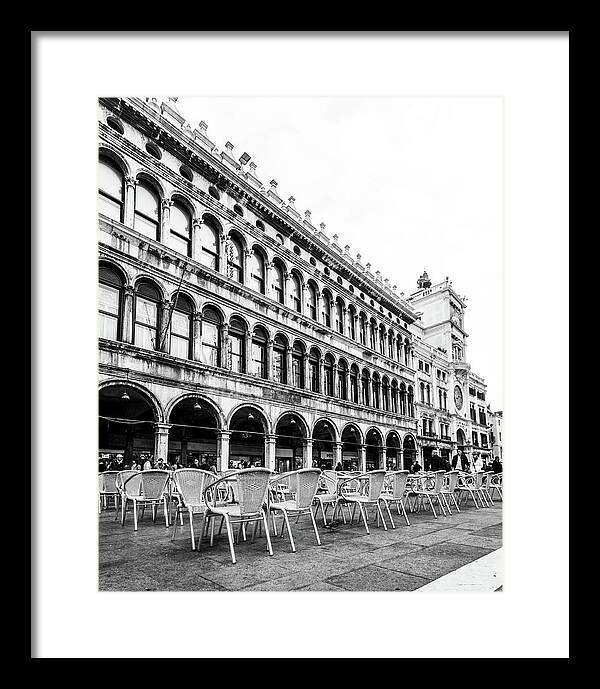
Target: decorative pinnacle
[307,216]
[273,184]
[202,126]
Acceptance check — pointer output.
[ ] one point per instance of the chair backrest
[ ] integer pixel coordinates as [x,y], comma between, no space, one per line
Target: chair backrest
[108,481]
[151,484]
[438,480]
[307,482]
[479,478]
[329,481]
[398,481]
[375,486]
[252,487]
[451,480]
[123,476]
[190,484]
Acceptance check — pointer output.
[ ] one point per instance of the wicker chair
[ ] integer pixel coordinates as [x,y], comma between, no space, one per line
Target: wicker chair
[495,484]
[122,476]
[146,488]
[395,492]
[189,486]
[485,485]
[251,487]
[430,486]
[107,488]
[293,494]
[469,485]
[328,484]
[449,488]
[362,490]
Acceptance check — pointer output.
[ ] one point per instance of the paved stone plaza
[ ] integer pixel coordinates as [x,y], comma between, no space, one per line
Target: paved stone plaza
[403,559]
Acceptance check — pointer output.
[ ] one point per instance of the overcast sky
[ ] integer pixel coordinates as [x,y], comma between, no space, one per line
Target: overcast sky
[409,183]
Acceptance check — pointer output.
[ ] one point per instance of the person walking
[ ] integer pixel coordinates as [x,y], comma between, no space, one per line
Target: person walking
[148,464]
[497,465]
[339,467]
[464,462]
[416,467]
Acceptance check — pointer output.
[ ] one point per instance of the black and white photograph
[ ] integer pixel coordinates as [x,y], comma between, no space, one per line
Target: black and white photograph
[290,343]
[276,413]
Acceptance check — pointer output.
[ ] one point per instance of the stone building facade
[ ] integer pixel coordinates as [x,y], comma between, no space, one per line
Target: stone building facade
[234,331]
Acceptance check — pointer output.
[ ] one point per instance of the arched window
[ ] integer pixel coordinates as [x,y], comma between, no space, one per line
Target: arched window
[354,384]
[111,189]
[181,328]
[399,348]
[328,375]
[352,322]
[279,359]
[313,369]
[376,391]
[147,210]
[259,352]
[211,338]
[311,301]
[445,400]
[342,371]
[326,309]
[395,396]
[385,394]
[296,293]
[278,282]
[440,405]
[411,401]
[180,236]
[257,271]
[209,239]
[373,334]
[237,345]
[146,316]
[235,259]
[109,304]
[298,365]
[422,391]
[403,406]
[339,316]
[382,340]
[391,344]
[428,390]
[363,329]
[365,384]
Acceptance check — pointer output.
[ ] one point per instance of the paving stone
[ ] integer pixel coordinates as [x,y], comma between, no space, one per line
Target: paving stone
[375,578]
[321,586]
[492,542]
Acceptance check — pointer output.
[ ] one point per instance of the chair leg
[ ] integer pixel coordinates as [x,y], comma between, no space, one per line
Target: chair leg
[166,511]
[289,529]
[212,530]
[204,522]
[353,513]
[404,512]
[267,535]
[175,523]
[256,523]
[387,507]
[99,504]
[220,527]
[229,536]
[364,516]
[380,512]
[191,516]
[314,523]
[441,504]
[455,503]
[135,520]
[274,523]
[431,504]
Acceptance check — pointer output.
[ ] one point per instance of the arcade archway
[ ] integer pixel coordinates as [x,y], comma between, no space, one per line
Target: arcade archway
[409,448]
[248,428]
[193,433]
[126,426]
[351,444]
[289,444]
[392,451]
[323,445]
[374,450]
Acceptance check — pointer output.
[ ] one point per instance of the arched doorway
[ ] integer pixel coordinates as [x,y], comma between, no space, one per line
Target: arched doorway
[126,426]
[460,440]
[323,440]
[410,451]
[247,440]
[193,433]
[392,451]
[289,444]
[351,442]
[374,450]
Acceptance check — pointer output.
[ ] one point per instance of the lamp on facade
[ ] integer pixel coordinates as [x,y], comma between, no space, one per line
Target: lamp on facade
[250,416]
[293,421]
[197,406]
[125,397]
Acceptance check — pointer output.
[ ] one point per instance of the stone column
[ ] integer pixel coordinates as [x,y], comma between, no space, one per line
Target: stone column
[401,454]
[318,307]
[161,441]
[382,457]
[246,253]
[248,352]
[165,221]
[288,366]
[127,323]
[321,376]
[307,450]
[306,371]
[164,326]
[196,239]
[225,363]
[223,450]
[222,254]
[270,360]
[347,383]
[197,337]
[362,458]
[129,210]
[270,441]
[337,453]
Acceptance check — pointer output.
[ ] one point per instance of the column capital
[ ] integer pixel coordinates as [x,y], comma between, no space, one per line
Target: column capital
[197,222]
[166,203]
[162,427]
[129,290]
[130,181]
[224,433]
